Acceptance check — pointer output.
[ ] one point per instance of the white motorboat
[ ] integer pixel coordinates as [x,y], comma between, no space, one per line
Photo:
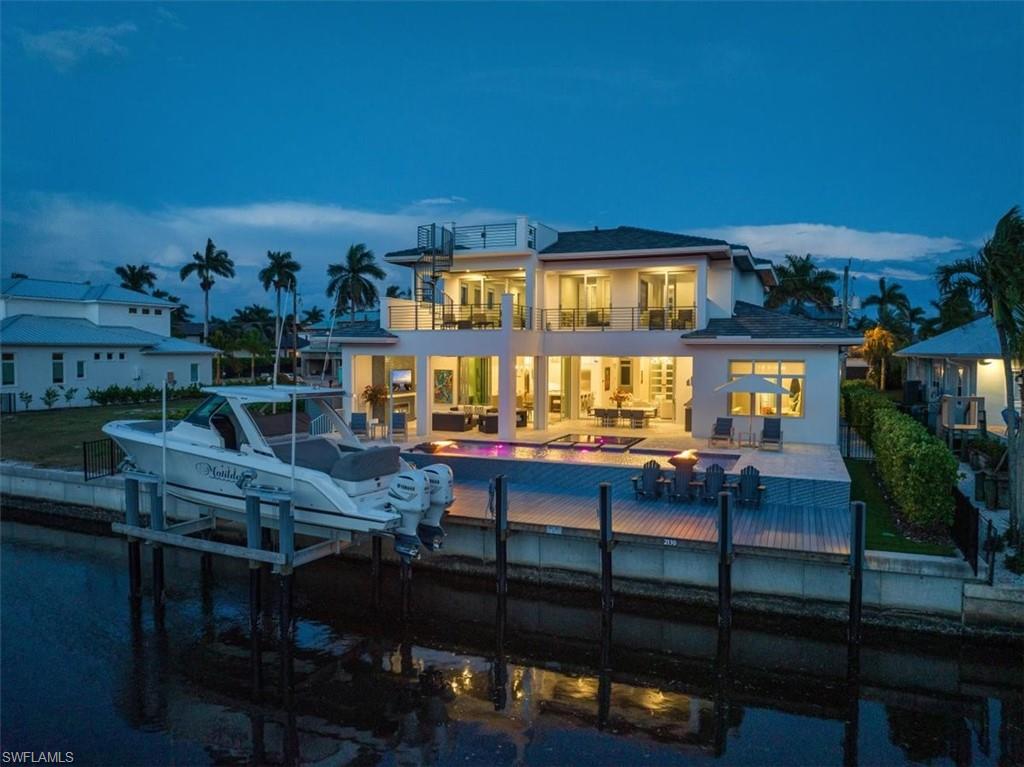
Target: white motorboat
[291,438]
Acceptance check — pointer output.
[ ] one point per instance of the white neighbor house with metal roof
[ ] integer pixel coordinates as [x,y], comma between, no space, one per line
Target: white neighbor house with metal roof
[515,327]
[70,335]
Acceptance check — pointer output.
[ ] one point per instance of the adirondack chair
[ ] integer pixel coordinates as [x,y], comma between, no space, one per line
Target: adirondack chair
[399,425]
[749,488]
[714,482]
[681,483]
[648,483]
[722,430]
[771,432]
[358,424]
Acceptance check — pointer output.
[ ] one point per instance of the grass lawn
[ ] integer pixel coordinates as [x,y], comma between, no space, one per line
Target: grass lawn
[54,437]
[882,534]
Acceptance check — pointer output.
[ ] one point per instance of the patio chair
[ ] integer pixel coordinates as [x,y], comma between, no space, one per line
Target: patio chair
[683,320]
[681,483]
[771,432]
[656,319]
[722,430]
[748,487]
[648,483]
[636,418]
[596,319]
[358,424]
[714,482]
[399,426]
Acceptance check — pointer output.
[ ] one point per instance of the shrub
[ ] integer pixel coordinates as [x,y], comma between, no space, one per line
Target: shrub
[26,399]
[50,396]
[69,394]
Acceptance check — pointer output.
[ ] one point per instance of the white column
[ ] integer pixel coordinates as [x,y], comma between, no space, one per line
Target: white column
[571,398]
[424,393]
[347,380]
[540,392]
[701,294]
[506,396]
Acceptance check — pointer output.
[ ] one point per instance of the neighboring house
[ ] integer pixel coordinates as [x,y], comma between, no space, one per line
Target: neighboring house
[963,362]
[545,328]
[76,335]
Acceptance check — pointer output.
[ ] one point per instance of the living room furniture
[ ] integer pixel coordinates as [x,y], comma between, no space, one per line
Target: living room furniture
[451,421]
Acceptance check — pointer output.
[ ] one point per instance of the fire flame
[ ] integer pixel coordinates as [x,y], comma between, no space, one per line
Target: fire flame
[687,455]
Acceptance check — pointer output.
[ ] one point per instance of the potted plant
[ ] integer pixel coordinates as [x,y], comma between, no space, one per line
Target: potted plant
[375,396]
[619,396]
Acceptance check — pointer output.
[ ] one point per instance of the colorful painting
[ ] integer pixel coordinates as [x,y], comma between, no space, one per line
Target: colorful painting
[443,386]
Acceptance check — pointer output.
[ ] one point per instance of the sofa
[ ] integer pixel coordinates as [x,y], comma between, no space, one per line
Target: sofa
[451,421]
[489,421]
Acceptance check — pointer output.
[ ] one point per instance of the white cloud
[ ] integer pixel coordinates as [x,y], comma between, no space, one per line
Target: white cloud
[64,48]
[825,240]
[451,200]
[169,18]
[895,273]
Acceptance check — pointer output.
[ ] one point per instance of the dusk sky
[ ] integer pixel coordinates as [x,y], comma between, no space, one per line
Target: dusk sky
[890,134]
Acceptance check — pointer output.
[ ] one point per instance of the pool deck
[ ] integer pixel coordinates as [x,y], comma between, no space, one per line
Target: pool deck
[782,527]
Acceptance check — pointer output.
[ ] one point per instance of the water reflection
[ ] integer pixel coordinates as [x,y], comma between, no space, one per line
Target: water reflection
[469,680]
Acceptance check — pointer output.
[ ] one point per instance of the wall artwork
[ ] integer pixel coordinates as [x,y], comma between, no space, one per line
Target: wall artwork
[607,379]
[443,380]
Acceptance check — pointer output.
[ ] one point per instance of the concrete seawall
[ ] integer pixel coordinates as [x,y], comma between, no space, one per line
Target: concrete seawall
[937,593]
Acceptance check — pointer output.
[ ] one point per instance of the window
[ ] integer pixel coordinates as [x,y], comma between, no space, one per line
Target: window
[790,375]
[110,355]
[57,360]
[79,368]
[158,311]
[7,378]
[626,373]
[95,355]
[201,415]
[145,311]
[132,310]
[120,355]
[193,372]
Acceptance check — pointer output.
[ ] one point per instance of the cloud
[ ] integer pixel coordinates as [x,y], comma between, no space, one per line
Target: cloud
[62,237]
[895,273]
[64,48]
[825,240]
[452,200]
[169,18]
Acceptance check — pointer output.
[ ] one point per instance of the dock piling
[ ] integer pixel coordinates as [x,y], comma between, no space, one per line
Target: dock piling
[254,540]
[131,516]
[606,544]
[725,557]
[501,533]
[858,512]
[375,569]
[405,576]
[158,524]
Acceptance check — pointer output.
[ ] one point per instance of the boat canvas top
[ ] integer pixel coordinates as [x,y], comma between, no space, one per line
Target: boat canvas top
[254,394]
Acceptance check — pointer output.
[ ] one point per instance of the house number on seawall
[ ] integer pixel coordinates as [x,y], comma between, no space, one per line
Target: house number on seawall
[670,542]
[553,530]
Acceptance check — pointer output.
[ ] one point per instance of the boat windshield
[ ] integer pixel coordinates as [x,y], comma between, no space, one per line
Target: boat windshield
[202,414]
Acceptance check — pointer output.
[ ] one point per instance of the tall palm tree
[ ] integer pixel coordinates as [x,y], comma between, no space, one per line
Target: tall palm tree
[253,342]
[351,280]
[801,281]
[225,342]
[395,291]
[994,278]
[137,278]
[280,273]
[253,316]
[312,316]
[890,300]
[211,263]
[878,346]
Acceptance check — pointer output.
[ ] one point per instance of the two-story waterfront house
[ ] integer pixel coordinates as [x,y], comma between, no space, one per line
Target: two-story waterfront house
[74,336]
[521,327]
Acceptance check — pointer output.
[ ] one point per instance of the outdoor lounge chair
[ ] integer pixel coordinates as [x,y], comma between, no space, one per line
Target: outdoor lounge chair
[683,320]
[399,425]
[748,487]
[722,430]
[656,319]
[358,424]
[714,482]
[596,319]
[681,483]
[771,432]
[648,483]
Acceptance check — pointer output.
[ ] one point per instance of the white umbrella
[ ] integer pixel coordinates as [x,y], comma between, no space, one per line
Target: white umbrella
[752,384]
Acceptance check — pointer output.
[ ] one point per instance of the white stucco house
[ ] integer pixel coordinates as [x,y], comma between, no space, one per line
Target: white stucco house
[530,328]
[72,335]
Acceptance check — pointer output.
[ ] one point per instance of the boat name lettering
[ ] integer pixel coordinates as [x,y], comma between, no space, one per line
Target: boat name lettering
[218,471]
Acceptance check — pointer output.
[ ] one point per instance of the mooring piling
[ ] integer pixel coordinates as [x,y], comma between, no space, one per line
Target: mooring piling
[131,516]
[376,573]
[405,576]
[858,513]
[158,524]
[725,557]
[254,540]
[851,725]
[499,672]
[501,533]
[723,682]
[606,544]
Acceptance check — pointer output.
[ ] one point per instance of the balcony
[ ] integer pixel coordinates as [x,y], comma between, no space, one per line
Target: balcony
[618,318]
[422,315]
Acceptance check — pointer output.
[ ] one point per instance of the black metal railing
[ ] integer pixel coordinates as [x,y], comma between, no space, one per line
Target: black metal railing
[100,458]
[8,402]
[852,443]
[620,318]
[965,528]
[485,236]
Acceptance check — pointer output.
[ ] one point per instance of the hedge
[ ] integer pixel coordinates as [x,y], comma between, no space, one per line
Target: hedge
[918,469]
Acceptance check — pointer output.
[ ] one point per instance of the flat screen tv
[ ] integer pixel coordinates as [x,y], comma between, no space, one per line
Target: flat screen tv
[401,378]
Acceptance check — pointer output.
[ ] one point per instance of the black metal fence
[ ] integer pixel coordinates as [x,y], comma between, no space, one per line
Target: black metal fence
[8,403]
[965,528]
[852,444]
[100,458]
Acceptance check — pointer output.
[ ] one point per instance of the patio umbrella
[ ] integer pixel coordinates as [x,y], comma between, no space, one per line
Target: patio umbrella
[752,384]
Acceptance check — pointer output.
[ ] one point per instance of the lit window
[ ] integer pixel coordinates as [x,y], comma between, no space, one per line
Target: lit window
[57,360]
[8,369]
[790,375]
[80,369]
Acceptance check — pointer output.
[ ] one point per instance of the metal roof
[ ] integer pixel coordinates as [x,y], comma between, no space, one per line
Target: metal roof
[757,323]
[625,238]
[56,290]
[975,340]
[33,330]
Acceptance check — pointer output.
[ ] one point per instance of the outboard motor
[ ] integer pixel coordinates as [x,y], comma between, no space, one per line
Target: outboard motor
[409,495]
[442,486]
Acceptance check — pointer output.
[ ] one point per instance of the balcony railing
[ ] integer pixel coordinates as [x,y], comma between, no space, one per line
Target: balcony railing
[620,318]
[429,316]
[485,236]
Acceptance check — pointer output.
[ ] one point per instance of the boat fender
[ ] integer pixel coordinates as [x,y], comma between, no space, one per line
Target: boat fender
[442,484]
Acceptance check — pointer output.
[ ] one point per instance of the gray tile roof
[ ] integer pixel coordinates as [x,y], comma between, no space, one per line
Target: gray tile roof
[56,290]
[32,330]
[625,238]
[370,331]
[752,321]
[975,340]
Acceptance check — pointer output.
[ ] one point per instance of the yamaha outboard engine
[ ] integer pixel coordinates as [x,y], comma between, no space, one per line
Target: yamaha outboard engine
[442,486]
[409,495]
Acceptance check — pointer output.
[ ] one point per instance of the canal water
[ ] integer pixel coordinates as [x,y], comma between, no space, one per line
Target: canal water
[84,672]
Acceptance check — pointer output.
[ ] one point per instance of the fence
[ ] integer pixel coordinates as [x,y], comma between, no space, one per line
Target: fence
[965,528]
[8,403]
[100,458]
[852,444]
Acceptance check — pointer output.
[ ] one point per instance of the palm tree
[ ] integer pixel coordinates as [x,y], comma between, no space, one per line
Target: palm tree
[994,278]
[253,316]
[878,346]
[800,282]
[394,291]
[312,316]
[207,265]
[224,342]
[137,278]
[280,273]
[253,342]
[351,279]
[180,312]
[890,300]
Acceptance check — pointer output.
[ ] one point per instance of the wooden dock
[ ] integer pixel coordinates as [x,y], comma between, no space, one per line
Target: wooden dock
[772,526]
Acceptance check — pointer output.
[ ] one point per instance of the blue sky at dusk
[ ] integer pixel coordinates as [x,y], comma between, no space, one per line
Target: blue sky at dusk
[891,134]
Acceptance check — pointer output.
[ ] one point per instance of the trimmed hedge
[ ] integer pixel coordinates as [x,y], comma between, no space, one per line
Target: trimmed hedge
[918,469]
